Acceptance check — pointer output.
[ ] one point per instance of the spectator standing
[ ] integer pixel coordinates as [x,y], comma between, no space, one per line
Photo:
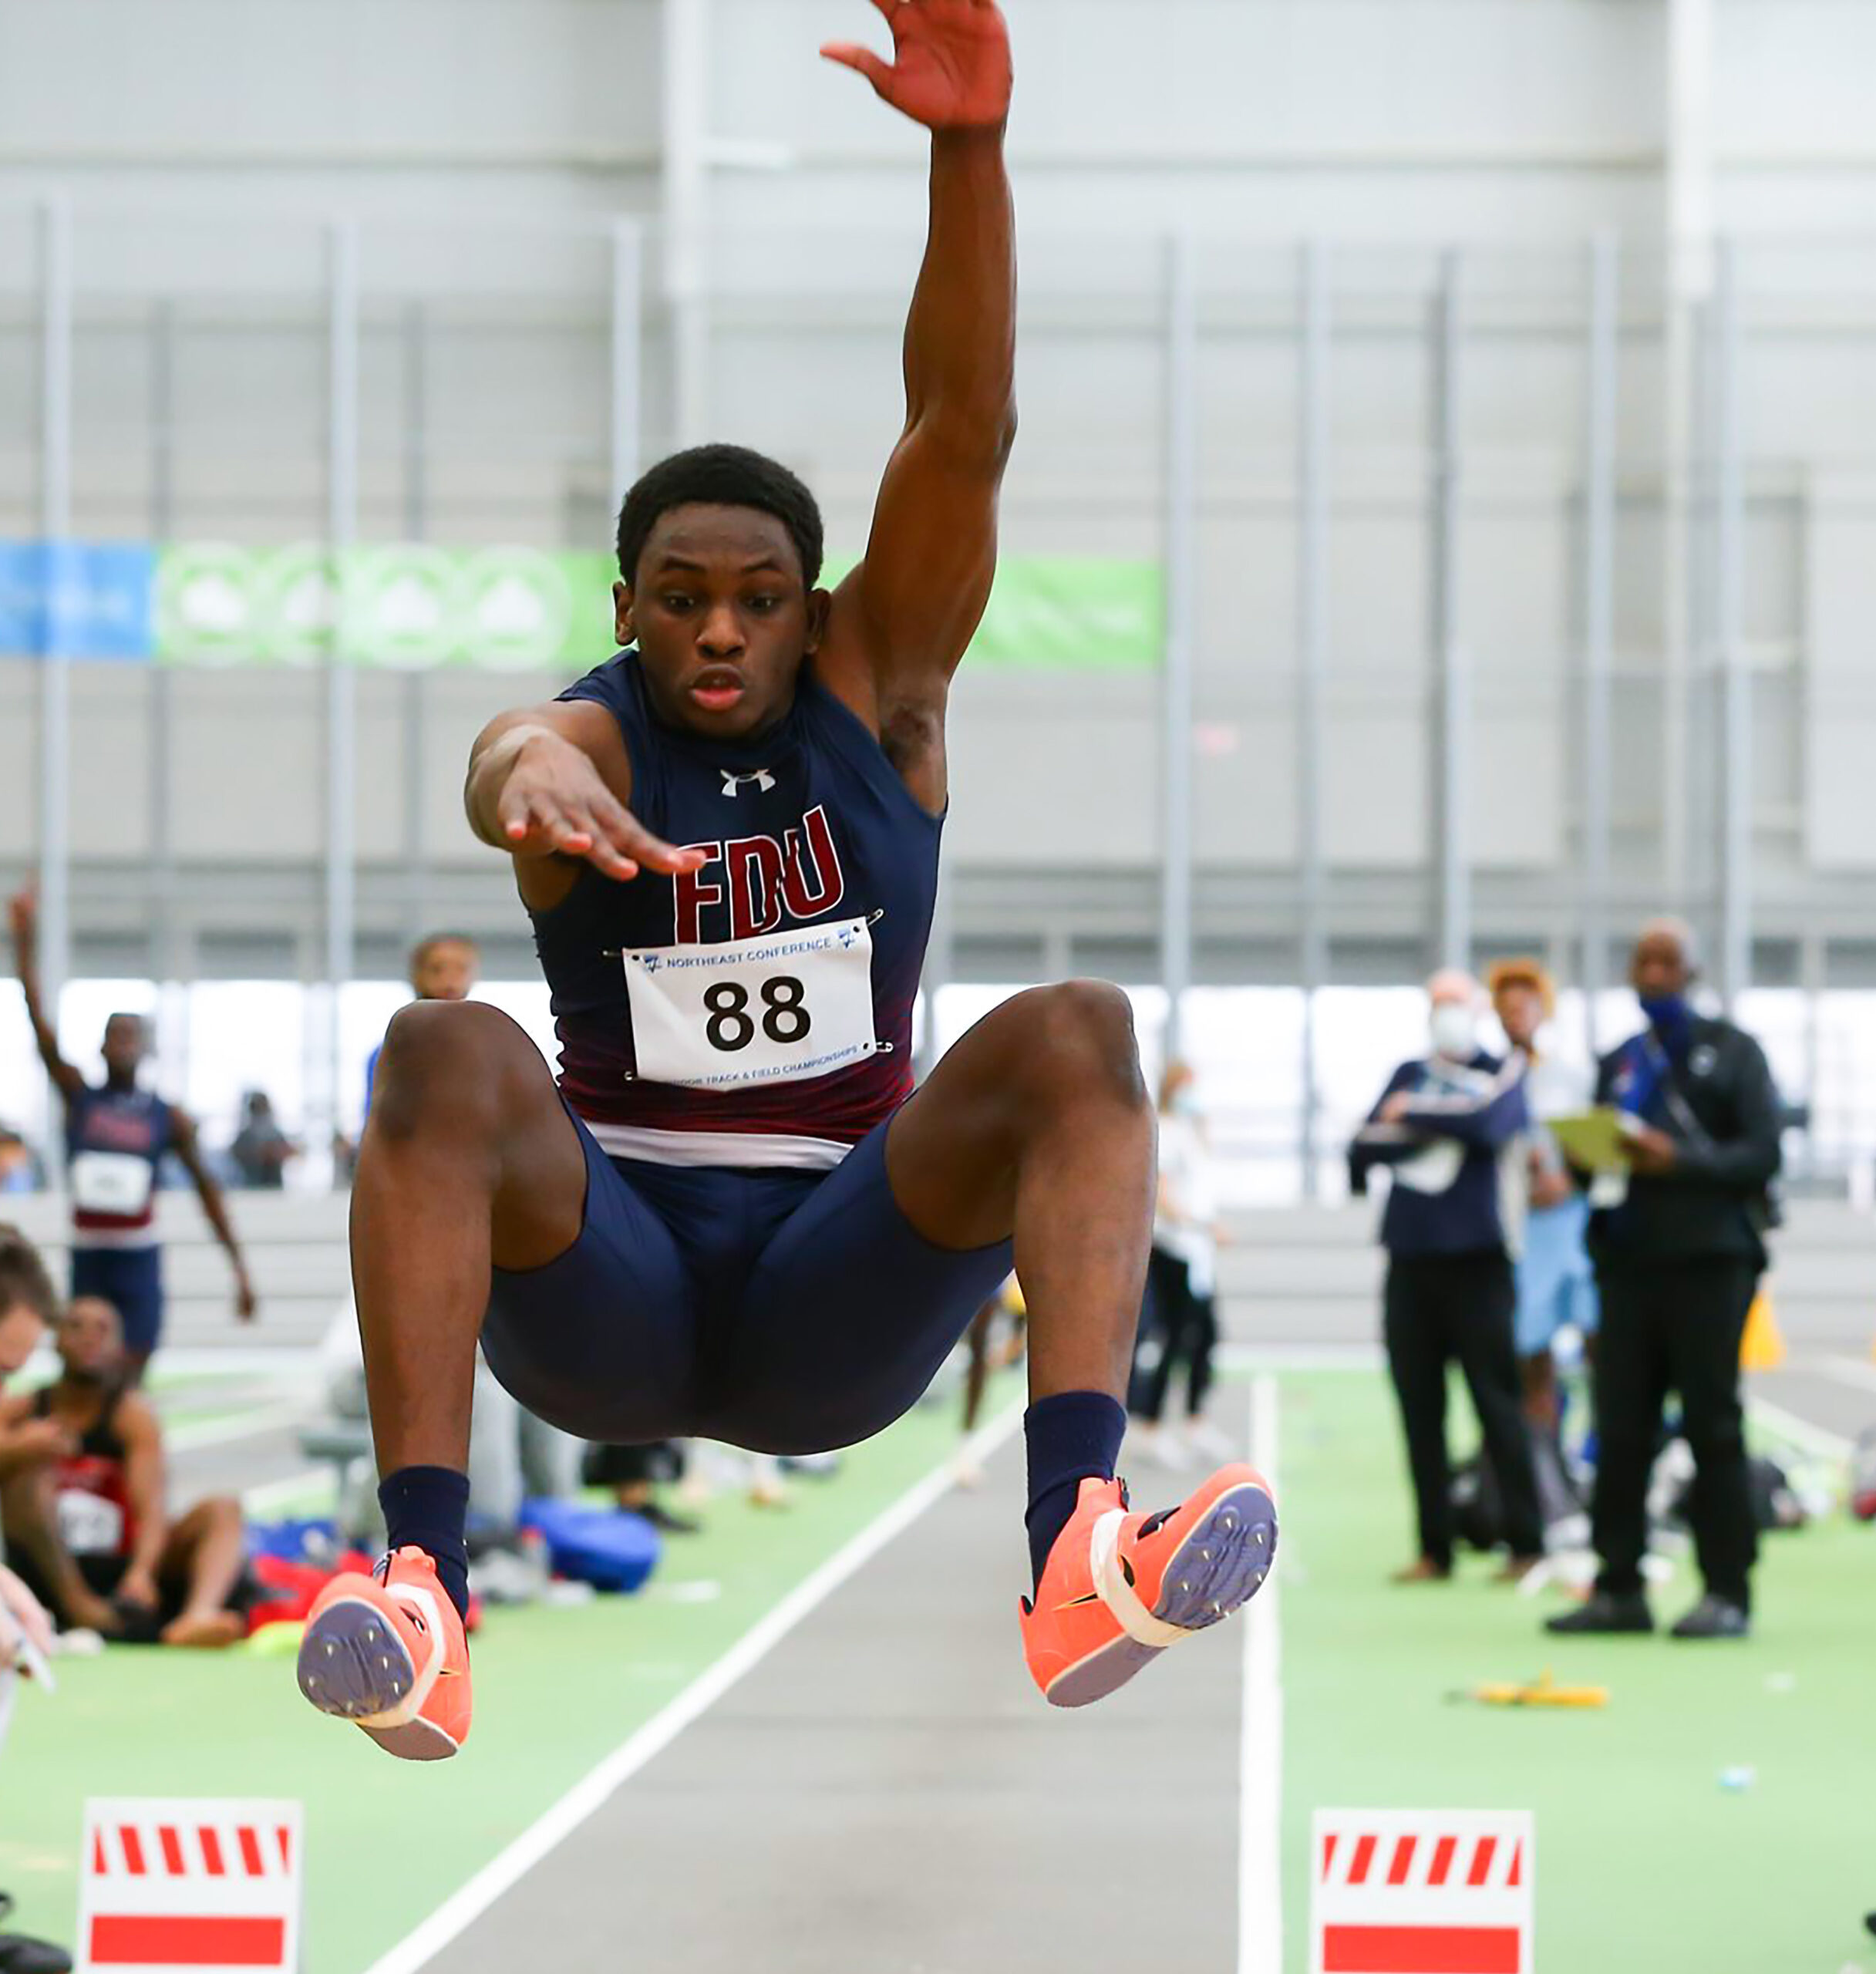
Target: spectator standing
[1182,1269]
[444,966]
[261,1151]
[1679,1261]
[1450,1126]
[115,1135]
[19,1171]
[1556,1285]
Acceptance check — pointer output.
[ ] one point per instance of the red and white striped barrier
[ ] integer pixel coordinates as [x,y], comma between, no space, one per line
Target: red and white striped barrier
[183,1885]
[1421,1891]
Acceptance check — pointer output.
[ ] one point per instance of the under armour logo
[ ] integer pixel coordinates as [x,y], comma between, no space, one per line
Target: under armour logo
[762,780]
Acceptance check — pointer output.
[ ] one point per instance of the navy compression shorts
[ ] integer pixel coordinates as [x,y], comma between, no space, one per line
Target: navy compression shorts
[785,1312]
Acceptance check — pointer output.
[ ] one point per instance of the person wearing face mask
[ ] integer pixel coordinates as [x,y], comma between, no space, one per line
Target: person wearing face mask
[1678,1261]
[1450,1127]
[1181,1309]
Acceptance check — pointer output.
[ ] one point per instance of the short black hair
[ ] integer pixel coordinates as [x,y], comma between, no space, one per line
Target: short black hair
[722,477]
[24,1277]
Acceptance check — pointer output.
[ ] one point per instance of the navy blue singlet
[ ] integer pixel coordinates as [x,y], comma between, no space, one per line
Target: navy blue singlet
[809,826]
[115,1140]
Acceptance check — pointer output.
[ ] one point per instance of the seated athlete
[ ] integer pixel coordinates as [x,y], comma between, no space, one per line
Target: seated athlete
[81,1503]
[734,1219]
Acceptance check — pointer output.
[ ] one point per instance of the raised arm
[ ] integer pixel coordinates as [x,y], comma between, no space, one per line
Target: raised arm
[23,911]
[902,619]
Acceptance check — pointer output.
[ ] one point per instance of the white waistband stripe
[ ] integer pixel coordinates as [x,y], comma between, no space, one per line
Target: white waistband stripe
[759,1150]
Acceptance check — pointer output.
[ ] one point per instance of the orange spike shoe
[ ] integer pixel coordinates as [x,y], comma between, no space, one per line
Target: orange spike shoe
[387,1653]
[1120,1587]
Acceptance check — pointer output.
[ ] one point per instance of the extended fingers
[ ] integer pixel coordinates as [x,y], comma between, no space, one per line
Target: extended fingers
[851,54]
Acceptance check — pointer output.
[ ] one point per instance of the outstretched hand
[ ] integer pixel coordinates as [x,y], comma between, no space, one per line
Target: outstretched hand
[951,68]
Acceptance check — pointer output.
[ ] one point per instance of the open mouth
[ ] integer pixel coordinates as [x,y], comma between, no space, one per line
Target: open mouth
[718,689]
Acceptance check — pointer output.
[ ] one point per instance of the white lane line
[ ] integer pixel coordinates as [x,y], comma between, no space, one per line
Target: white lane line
[1845,1371]
[1800,1432]
[268,1496]
[1260,1759]
[242,1426]
[505,1871]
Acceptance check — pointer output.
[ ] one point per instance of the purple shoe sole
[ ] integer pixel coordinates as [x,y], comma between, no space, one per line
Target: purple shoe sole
[1218,1569]
[352,1664]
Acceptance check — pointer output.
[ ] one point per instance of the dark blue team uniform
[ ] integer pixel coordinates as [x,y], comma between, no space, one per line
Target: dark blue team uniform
[734,1044]
[115,1141]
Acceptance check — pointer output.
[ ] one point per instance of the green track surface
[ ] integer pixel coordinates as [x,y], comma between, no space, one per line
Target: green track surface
[1645,1864]
[556,1691]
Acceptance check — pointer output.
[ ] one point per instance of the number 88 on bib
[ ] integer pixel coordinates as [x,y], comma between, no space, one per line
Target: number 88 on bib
[785,1008]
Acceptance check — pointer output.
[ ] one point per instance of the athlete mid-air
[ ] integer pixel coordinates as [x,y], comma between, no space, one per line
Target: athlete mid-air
[733,1217]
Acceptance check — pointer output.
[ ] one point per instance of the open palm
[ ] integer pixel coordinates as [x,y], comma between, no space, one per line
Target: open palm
[951,67]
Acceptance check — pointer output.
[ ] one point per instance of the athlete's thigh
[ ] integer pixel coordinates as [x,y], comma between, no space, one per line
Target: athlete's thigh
[847,1316]
[602,1342]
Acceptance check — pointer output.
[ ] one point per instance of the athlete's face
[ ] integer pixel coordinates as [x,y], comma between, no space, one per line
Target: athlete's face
[445,970]
[722,617]
[89,1339]
[125,1045]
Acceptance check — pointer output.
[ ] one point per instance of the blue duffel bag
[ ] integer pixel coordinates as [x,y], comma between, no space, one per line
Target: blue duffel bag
[608,1548]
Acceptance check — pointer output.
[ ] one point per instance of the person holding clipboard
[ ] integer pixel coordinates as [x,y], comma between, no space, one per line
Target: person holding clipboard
[1687,1117]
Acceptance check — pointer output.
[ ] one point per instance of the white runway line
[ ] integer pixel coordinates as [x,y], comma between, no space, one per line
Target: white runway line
[248,1425]
[462,1909]
[1800,1432]
[1846,1371]
[1260,1819]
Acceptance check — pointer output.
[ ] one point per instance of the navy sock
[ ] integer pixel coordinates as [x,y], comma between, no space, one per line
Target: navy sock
[428,1506]
[1071,1436]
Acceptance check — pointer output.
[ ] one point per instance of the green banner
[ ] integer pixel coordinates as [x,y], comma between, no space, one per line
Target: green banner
[413,608]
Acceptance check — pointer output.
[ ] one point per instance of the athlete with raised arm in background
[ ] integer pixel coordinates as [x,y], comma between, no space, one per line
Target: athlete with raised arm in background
[733,1218]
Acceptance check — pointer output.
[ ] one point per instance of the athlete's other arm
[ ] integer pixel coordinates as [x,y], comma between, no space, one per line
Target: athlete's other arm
[188,1148]
[550,785]
[23,912]
[143,1443]
[902,620]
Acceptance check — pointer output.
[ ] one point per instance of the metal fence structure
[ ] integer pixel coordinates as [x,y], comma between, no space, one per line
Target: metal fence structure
[1508,595]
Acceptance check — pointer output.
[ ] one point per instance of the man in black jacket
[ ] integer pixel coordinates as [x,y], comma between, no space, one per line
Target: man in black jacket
[1678,1257]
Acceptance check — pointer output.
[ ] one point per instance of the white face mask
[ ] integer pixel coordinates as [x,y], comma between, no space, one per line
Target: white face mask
[1455,1032]
[1185,1102]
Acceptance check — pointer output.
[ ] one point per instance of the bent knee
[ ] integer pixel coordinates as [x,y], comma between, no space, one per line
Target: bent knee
[1082,1035]
[454,1059]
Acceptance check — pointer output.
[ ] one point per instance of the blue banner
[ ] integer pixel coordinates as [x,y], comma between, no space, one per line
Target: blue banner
[77,599]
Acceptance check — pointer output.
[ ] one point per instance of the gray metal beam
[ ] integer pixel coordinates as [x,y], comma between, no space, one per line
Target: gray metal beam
[1313,631]
[342,683]
[1452,717]
[1598,608]
[415,693]
[55,748]
[165,955]
[1734,679]
[627,435]
[1181,553]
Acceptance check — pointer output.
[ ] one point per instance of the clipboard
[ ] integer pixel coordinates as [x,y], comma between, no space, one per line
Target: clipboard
[1594,1140]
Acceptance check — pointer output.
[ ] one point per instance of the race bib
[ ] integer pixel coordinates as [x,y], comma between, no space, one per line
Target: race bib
[89,1525]
[111,1182]
[782,1008]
